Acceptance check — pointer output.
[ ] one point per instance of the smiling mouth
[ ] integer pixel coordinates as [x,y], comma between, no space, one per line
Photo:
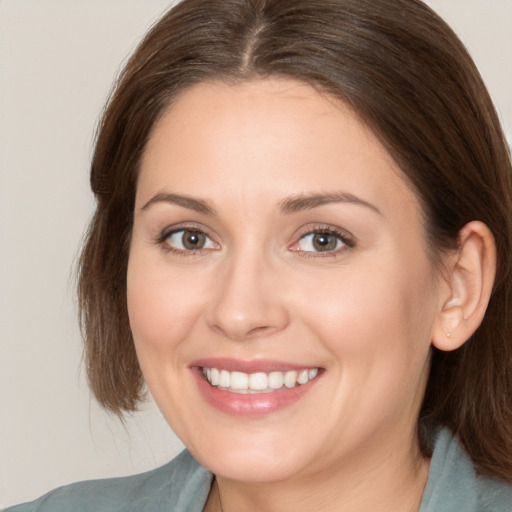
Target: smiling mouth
[259,382]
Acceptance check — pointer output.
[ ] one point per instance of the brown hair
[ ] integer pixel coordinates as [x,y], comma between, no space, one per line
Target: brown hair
[409,77]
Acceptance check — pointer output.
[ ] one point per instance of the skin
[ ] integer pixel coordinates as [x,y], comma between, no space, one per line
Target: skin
[365,313]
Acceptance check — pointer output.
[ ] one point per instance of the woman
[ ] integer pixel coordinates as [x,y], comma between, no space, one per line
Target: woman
[300,246]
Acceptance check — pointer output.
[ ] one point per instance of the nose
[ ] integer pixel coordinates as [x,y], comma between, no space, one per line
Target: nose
[248,300]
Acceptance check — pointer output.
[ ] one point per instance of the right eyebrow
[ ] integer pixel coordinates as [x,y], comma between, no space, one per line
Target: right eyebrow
[191,203]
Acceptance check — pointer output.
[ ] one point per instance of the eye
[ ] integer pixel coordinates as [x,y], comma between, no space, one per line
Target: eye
[189,240]
[322,241]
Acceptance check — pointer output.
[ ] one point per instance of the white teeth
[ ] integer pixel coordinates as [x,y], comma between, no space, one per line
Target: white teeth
[290,378]
[258,381]
[275,380]
[224,379]
[303,377]
[214,379]
[240,382]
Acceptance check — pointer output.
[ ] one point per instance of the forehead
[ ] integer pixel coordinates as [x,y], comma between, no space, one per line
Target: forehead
[266,139]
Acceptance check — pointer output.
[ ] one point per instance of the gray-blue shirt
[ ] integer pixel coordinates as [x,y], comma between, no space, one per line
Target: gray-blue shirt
[183,485]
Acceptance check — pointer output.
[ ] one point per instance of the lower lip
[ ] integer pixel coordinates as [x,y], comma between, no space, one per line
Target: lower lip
[257,404]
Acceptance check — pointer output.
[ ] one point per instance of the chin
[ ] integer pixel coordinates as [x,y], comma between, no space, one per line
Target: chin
[257,457]
[266,467]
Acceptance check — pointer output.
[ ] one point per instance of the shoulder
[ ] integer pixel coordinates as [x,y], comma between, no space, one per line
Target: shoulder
[180,485]
[494,495]
[454,485]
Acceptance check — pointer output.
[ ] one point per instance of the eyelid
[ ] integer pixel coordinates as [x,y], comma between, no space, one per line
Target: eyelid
[347,238]
[165,233]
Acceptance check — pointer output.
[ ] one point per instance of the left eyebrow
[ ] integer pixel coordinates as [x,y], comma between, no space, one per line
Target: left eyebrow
[307,202]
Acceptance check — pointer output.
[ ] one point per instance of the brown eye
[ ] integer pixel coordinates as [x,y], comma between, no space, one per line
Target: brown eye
[193,240]
[189,240]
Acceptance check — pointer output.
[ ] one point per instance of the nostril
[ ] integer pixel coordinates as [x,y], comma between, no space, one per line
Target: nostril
[260,331]
[242,334]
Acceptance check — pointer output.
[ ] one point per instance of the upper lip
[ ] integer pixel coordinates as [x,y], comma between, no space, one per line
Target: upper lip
[250,366]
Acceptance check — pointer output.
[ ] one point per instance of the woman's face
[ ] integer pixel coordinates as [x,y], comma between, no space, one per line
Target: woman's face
[277,250]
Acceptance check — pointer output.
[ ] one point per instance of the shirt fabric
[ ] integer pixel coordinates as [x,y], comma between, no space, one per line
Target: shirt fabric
[183,485]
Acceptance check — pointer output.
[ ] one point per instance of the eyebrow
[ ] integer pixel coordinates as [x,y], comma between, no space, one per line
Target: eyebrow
[288,206]
[307,202]
[197,205]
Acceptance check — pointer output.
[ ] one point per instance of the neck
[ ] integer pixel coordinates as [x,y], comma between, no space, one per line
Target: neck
[392,482]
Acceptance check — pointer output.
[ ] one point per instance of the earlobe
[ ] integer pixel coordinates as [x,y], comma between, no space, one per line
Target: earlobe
[469,278]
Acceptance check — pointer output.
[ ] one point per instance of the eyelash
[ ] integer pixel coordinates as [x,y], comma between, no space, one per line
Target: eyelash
[344,237]
[162,240]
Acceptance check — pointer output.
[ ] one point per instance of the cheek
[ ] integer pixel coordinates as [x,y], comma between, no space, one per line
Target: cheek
[376,315]
[163,305]
[378,332]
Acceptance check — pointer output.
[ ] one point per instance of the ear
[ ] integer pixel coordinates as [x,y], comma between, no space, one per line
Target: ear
[468,282]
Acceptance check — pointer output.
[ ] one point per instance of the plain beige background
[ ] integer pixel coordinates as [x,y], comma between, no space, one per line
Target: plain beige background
[57,61]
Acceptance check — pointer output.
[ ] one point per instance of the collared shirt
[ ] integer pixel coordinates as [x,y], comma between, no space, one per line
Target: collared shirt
[183,485]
